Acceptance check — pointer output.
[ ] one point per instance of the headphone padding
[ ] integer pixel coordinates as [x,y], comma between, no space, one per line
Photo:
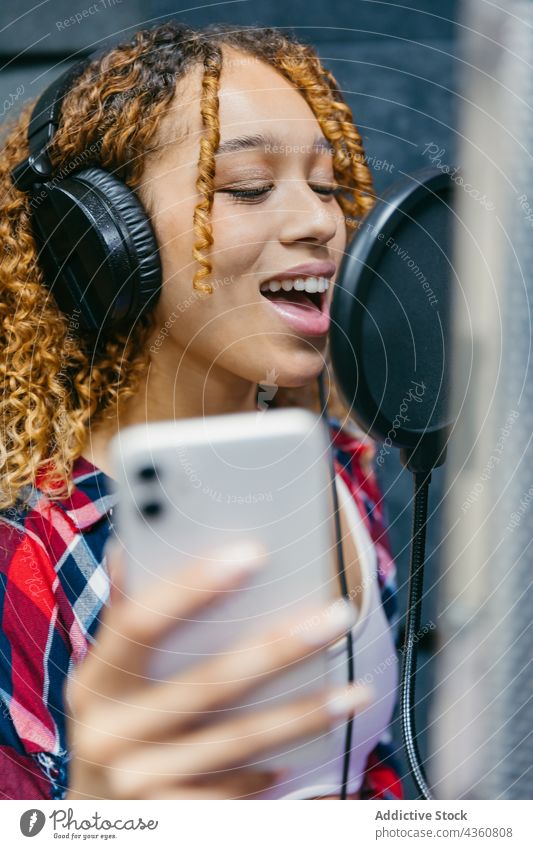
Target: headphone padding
[131,218]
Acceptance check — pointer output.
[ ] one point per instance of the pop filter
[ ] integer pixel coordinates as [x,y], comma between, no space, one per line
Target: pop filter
[390,319]
[390,339]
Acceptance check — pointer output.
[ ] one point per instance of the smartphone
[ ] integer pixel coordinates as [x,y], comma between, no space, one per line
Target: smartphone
[187,488]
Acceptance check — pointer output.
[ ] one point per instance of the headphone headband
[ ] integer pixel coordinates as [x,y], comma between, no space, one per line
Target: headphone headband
[43,124]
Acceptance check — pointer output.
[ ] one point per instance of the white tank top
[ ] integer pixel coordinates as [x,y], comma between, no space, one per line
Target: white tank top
[376,663]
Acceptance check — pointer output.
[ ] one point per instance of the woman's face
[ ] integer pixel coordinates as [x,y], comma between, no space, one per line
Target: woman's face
[292,220]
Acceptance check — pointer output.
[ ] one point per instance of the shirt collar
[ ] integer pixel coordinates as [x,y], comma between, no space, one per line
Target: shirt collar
[350,438]
[93,494]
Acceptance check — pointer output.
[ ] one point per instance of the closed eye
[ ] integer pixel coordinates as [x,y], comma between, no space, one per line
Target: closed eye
[251,194]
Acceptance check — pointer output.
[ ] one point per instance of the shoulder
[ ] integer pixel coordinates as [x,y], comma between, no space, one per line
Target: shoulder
[354,454]
[32,650]
[354,459]
[26,569]
[35,545]
[60,542]
[53,585]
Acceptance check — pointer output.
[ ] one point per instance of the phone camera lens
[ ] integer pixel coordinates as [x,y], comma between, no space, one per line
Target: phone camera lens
[148,473]
[152,509]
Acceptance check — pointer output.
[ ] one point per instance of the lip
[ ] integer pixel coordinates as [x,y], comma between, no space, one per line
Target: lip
[311,324]
[317,268]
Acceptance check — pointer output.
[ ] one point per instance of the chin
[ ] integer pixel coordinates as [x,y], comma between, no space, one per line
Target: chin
[286,368]
[308,364]
[295,380]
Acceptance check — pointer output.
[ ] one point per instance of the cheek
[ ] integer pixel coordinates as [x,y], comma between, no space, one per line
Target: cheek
[340,239]
[173,230]
[337,246]
[239,238]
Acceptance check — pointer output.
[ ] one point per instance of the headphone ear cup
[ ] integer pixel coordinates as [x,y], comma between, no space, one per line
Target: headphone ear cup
[97,249]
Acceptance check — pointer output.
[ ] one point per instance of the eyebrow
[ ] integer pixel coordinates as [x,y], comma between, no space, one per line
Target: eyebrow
[262,140]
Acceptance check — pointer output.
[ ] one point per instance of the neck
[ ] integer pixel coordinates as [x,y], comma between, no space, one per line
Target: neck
[164,393]
[194,390]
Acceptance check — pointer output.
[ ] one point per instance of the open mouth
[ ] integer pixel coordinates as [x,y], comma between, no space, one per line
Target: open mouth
[308,293]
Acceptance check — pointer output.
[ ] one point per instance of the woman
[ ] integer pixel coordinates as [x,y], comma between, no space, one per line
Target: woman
[162,112]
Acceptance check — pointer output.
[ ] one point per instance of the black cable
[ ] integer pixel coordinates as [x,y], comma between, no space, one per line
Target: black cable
[412,626]
[344,590]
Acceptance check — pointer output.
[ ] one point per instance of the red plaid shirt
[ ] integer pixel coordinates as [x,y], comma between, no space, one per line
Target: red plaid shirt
[53,585]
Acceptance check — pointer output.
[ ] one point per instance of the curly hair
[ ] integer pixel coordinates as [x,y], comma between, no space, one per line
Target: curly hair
[55,381]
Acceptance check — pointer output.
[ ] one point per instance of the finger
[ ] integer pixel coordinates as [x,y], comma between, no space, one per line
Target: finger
[130,628]
[251,661]
[236,742]
[168,599]
[175,706]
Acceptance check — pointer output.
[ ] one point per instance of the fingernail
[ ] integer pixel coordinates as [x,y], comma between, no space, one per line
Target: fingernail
[332,622]
[237,559]
[346,700]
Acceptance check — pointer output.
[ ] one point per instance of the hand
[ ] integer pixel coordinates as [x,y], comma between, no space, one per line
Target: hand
[133,738]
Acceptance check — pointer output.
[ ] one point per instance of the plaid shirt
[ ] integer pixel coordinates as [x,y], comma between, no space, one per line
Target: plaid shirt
[53,586]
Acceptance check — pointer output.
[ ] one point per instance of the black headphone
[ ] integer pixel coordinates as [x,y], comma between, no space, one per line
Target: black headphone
[97,248]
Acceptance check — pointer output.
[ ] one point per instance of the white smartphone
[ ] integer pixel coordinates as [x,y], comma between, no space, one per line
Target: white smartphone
[190,487]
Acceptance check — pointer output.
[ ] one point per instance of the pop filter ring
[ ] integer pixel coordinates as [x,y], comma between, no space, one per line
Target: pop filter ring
[392,209]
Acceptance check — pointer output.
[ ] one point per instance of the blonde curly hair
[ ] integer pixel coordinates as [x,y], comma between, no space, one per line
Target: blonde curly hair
[57,382]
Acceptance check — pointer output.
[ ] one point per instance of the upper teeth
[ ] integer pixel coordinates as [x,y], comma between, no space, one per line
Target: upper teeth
[301,284]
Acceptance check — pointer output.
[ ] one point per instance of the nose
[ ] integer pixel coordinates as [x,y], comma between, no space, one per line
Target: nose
[308,215]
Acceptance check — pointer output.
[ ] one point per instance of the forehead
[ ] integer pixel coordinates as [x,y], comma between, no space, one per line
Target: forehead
[251,92]
[253,97]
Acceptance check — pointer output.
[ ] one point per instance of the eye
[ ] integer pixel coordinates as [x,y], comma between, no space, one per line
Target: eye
[246,194]
[331,190]
[252,194]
